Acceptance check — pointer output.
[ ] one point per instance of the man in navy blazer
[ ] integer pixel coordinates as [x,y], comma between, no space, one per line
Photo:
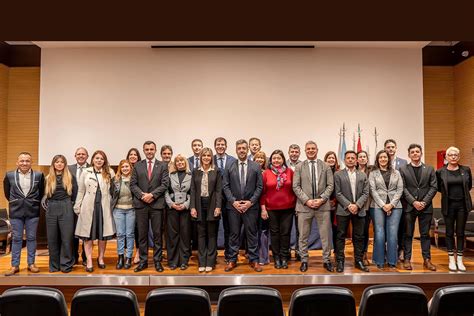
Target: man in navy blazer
[242,187]
[223,161]
[196,146]
[23,190]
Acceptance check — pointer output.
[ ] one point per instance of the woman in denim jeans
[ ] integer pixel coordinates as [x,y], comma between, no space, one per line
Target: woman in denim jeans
[386,189]
[124,214]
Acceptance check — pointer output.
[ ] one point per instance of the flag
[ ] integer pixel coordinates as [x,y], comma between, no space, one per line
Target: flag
[342,147]
[359,144]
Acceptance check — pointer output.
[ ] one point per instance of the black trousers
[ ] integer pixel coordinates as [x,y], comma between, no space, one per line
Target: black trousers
[358,223]
[226,226]
[75,244]
[207,237]
[280,231]
[455,220]
[424,224]
[250,221]
[143,217]
[178,244]
[60,233]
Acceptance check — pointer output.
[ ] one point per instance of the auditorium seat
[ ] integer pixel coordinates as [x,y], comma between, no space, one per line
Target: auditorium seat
[104,301]
[322,300]
[393,300]
[250,301]
[454,300]
[178,301]
[5,231]
[33,301]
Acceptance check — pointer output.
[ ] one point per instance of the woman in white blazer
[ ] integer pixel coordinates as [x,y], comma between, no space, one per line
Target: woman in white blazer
[95,221]
[386,189]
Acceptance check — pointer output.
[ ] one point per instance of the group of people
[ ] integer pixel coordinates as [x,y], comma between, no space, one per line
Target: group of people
[256,198]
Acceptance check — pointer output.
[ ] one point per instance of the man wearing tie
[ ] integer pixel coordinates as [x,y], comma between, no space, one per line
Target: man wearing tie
[242,187]
[196,146]
[23,190]
[223,161]
[313,184]
[76,170]
[148,184]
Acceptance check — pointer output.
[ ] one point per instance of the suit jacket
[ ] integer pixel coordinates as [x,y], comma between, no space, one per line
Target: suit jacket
[191,162]
[343,190]
[400,162]
[179,193]
[215,194]
[423,191]
[19,204]
[303,189]
[253,184]
[230,159]
[442,178]
[379,191]
[157,185]
[73,168]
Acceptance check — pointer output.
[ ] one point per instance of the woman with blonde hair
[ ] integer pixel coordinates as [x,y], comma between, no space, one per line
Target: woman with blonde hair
[92,205]
[60,194]
[124,214]
[454,183]
[178,198]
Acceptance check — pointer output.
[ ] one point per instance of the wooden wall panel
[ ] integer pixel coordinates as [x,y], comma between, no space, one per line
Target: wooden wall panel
[4,71]
[439,112]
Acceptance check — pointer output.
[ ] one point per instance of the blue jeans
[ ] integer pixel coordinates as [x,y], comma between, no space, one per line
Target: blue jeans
[385,235]
[30,225]
[125,225]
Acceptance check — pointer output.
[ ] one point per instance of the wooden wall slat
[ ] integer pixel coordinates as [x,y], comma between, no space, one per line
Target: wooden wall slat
[4,75]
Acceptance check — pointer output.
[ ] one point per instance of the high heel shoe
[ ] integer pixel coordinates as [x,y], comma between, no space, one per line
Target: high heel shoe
[89,270]
[101,265]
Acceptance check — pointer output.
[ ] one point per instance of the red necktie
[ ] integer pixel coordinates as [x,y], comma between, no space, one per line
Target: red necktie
[150,168]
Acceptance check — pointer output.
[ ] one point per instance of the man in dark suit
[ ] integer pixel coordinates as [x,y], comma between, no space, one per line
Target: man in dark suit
[419,189]
[196,146]
[76,170]
[23,190]
[352,190]
[242,187]
[390,146]
[223,161]
[148,184]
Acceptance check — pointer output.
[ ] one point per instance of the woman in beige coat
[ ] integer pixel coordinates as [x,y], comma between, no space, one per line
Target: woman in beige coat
[95,221]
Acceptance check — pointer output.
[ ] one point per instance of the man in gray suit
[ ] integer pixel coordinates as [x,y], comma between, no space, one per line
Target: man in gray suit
[242,187]
[352,191]
[149,182]
[76,170]
[313,184]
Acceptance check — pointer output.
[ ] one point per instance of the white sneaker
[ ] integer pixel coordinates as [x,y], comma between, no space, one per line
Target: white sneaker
[208,269]
[202,269]
[459,263]
[452,263]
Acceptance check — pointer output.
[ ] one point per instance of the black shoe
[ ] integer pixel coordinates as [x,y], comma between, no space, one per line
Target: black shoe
[304,267]
[184,266]
[284,264]
[128,263]
[277,264]
[172,267]
[328,266]
[159,267]
[119,262]
[141,267]
[361,266]
[100,265]
[340,266]
[89,270]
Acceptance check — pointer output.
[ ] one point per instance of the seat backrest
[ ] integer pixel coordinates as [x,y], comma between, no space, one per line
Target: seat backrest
[33,301]
[104,301]
[322,300]
[454,300]
[470,222]
[3,213]
[250,301]
[178,301]
[392,300]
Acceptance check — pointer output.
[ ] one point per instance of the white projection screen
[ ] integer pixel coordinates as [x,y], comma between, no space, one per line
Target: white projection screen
[116,98]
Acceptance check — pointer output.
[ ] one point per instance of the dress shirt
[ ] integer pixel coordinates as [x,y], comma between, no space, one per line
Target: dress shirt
[352,178]
[25,181]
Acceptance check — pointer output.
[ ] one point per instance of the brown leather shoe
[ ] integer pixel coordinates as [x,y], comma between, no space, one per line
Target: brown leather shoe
[256,267]
[407,265]
[428,265]
[12,271]
[230,266]
[33,268]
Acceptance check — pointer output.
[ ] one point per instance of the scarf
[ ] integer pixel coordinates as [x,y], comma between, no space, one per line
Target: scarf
[281,175]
